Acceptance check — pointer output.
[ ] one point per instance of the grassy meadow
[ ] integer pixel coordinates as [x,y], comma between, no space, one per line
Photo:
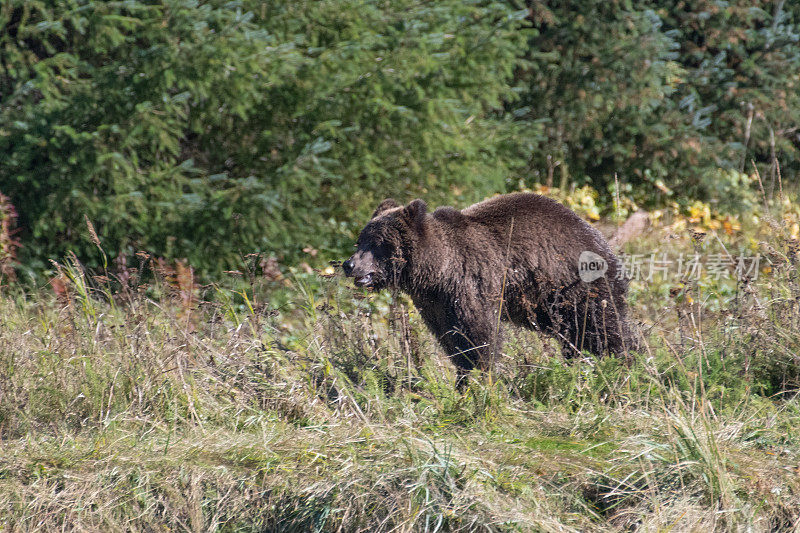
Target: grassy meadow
[135,399]
[194,387]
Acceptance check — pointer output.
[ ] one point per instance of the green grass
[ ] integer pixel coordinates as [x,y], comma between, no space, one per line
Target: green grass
[134,408]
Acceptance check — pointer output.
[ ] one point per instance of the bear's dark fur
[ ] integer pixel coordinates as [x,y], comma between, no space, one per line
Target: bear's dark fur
[513,257]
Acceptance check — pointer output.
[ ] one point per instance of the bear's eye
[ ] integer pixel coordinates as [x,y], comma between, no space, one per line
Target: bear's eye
[383,249]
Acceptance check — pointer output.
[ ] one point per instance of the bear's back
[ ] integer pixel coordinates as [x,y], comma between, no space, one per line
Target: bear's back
[544,231]
[535,217]
[518,206]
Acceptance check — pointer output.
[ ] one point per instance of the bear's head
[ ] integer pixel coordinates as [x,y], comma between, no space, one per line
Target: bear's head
[385,244]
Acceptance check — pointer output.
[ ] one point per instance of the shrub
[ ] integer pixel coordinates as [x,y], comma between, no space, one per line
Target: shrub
[180,128]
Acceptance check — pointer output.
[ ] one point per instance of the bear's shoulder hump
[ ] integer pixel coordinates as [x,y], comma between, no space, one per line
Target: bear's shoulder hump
[448,214]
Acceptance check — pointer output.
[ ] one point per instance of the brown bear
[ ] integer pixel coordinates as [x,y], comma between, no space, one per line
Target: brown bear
[520,257]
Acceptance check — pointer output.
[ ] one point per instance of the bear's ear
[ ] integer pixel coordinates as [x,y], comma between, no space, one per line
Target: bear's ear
[415,212]
[385,205]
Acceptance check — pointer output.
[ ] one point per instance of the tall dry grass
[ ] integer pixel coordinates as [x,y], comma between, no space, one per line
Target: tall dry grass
[135,399]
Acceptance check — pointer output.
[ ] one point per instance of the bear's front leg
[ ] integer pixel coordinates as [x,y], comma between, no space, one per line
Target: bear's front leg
[470,342]
[463,329]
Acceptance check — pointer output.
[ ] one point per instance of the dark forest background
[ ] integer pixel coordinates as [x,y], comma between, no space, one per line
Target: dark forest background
[209,130]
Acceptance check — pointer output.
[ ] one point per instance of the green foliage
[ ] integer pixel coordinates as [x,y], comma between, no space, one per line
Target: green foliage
[183,127]
[208,130]
[600,76]
[662,93]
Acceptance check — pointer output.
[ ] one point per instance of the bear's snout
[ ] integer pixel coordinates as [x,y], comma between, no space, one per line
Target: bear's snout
[364,276]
